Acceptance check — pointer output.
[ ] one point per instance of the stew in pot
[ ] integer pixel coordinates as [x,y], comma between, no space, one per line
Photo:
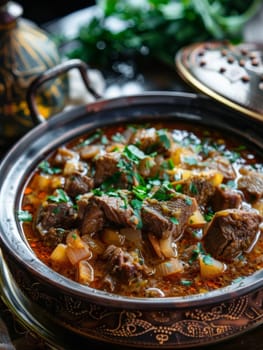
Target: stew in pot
[154,210]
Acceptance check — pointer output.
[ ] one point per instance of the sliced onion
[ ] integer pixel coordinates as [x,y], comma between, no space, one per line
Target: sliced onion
[155,244]
[154,293]
[168,247]
[85,272]
[77,249]
[170,267]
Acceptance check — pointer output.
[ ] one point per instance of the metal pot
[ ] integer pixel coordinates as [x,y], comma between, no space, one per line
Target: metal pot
[59,307]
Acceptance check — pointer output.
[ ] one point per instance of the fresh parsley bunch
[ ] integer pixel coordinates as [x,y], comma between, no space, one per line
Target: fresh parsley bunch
[124,29]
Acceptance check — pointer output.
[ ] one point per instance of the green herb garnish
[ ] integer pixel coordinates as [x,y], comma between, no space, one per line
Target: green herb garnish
[60,197]
[24,216]
[47,169]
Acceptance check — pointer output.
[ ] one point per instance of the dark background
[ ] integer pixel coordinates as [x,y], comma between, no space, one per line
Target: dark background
[41,11]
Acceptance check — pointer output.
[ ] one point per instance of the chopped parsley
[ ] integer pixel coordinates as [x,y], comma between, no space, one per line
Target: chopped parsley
[24,216]
[174,220]
[163,136]
[47,169]
[60,197]
[94,137]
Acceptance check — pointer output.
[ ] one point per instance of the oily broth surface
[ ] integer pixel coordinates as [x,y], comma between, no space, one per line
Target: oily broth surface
[187,282]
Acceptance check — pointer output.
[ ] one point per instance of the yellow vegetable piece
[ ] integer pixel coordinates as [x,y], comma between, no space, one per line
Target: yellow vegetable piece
[210,267]
[197,219]
[59,255]
[41,182]
[217,179]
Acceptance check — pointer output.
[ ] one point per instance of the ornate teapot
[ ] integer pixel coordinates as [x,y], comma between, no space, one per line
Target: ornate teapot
[25,52]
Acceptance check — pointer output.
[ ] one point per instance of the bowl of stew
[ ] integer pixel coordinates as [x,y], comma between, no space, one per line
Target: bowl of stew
[137,220]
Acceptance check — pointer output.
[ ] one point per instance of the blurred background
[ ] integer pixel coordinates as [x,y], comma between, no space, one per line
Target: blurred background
[42,11]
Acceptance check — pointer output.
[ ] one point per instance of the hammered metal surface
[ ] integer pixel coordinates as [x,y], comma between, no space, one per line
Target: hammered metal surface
[231,74]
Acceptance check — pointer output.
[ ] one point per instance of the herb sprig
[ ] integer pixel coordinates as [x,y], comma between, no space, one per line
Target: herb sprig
[127,28]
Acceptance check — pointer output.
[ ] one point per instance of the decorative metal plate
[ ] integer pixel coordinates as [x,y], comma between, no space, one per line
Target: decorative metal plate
[231,74]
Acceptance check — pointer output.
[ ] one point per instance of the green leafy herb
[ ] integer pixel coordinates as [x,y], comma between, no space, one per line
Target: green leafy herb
[118,138]
[164,192]
[188,201]
[133,153]
[24,216]
[157,28]
[140,192]
[137,205]
[164,138]
[193,189]
[60,197]
[186,282]
[190,160]
[94,137]
[179,188]
[47,169]
[209,215]
[174,220]
[207,259]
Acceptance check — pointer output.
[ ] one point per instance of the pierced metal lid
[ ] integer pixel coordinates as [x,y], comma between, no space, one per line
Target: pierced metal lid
[231,74]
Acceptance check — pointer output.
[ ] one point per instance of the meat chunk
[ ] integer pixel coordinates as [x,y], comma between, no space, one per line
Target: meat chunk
[151,140]
[54,236]
[77,184]
[225,198]
[92,219]
[165,218]
[122,263]
[55,215]
[117,211]
[251,184]
[106,166]
[231,232]
[201,186]
[222,165]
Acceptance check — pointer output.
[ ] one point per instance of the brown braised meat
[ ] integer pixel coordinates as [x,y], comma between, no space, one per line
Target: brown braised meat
[231,232]
[77,184]
[54,236]
[55,215]
[251,184]
[92,218]
[225,198]
[200,187]
[222,165]
[106,166]
[151,140]
[117,211]
[163,218]
[122,263]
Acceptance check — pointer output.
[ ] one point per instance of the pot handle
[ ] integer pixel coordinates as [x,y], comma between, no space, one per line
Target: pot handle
[52,73]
